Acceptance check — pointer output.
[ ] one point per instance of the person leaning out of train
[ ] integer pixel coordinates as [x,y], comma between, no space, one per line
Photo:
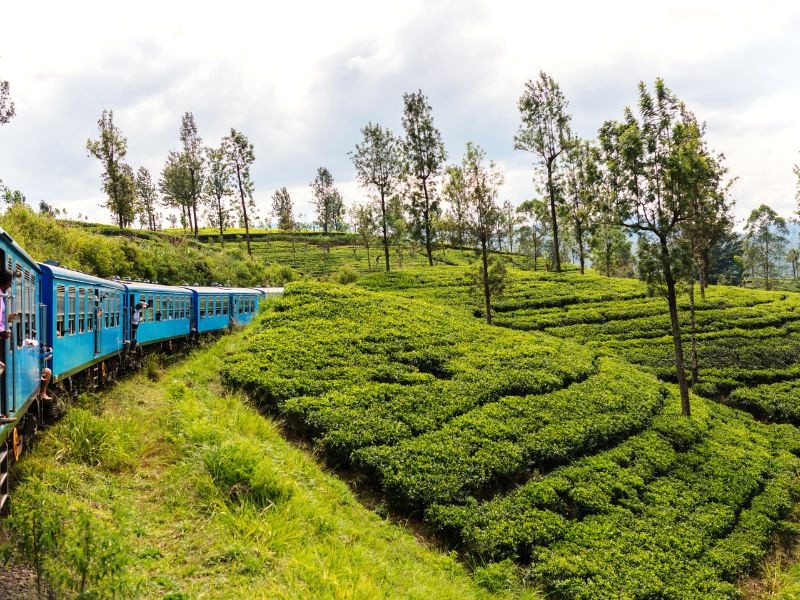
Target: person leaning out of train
[47,354]
[137,317]
[5,282]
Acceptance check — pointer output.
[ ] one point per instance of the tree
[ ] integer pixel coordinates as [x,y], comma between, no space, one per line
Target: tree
[218,188]
[175,186]
[282,209]
[12,197]
[610,250]
[193,152]
[653,163]
[365,226]
[455,193]
[793,256]
[328,201]
[377,163]
[110,149]
[583,179]
[725,259]
[766,234]
[7,109]
[147,197]
[509,220]
[240,156]
[533,234]
[424,156]
[545,132]
[482,184]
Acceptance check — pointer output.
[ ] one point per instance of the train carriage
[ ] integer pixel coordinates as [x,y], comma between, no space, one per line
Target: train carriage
[21,352]
[211,308]
[85,317]
[244,304]
[168,314]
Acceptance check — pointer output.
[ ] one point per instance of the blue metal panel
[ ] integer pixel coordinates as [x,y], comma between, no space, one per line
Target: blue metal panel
[84,318]
[211,309]
[168,314]
[21,353]
[245,302]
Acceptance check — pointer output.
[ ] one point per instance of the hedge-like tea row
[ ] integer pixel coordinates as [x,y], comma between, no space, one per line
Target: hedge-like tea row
[678,511]
[500,441]
[777,401]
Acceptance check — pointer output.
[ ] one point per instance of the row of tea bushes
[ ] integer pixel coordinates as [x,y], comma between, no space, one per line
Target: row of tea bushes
[678,511]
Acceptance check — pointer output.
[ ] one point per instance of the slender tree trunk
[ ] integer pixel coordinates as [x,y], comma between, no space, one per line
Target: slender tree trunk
[579,235]
[535,253]
[221,222]
[244,210]
[693,325]
[194,202]
[676,327]
[552,192]
[486,295]
[369,260]
[385,233]
[427,218]
[705,267]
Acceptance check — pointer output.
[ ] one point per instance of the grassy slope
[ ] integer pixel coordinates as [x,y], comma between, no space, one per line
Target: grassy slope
[164,480]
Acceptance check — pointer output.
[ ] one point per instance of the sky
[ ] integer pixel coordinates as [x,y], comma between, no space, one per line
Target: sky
[300,79]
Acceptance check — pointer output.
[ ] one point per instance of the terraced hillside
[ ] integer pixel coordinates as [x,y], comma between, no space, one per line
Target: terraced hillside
[745,337]
[524,446]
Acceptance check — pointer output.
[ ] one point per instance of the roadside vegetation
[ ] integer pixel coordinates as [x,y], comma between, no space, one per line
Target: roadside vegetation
[187,491]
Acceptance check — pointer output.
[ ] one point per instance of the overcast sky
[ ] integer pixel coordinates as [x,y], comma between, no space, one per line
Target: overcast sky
[300,79]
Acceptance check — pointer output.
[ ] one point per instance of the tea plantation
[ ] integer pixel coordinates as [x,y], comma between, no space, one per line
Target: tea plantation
[745,337]
[526,446]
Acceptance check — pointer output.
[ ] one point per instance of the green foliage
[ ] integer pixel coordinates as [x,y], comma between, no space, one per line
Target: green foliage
[85,438]
[102,251]
[345,275]
[77,555]
[242,474]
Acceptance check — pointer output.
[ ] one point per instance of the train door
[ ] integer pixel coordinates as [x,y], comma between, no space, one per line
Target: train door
[97,320]
[4,352]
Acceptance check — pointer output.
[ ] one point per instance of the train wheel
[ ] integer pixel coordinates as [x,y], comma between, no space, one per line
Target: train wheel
[16,443]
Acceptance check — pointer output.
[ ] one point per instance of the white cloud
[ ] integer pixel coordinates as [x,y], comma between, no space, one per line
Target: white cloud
[301,78]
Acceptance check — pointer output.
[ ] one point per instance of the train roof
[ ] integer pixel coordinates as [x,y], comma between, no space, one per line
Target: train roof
[140,286]
[270,291]
[78,276]
[208,289]
[17,248]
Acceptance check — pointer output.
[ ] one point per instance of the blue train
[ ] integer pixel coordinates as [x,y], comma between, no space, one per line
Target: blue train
[88,322]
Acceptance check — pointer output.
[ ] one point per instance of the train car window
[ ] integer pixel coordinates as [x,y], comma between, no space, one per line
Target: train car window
[29,293]
[72,310]
[114,309]
[60,310]
[106,311]
[202,307]
[150,307]
[158,308]
[218,302]
[90,316]
[239,304]
[225,306]
[81,310]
